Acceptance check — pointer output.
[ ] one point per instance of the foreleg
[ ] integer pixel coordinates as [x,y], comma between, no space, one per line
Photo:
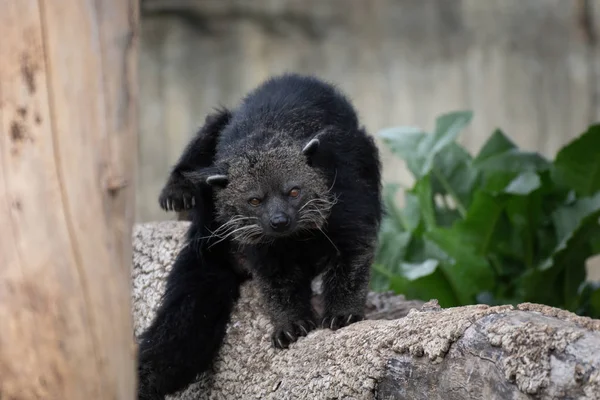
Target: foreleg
[289,306]
[179,192]
[346,284]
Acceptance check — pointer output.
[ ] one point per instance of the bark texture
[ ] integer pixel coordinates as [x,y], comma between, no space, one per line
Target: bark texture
[68,94]
[405,350]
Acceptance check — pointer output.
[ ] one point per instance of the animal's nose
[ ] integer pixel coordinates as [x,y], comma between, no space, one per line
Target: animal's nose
[279,222]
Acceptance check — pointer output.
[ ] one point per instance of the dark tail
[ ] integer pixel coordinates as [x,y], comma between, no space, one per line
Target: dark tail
[189,326]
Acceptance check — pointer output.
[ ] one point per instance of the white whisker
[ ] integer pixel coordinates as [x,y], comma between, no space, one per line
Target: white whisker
[246,227]
[333,183]
[330,241]
[225,230]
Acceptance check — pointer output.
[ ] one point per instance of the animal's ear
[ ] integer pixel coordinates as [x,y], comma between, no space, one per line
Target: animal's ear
[212,176]
[218,180]
[311,147]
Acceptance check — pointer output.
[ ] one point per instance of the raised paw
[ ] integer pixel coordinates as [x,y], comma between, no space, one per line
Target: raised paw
[286,334]
[334,322]
[176,198]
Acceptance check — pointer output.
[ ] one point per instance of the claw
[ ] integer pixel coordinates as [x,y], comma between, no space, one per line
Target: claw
[303,329]
[285,335]
[289,336]
[335,322]
[280,343]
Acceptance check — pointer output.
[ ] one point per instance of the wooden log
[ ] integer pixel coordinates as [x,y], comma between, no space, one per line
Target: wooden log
[67,149]
[475,352]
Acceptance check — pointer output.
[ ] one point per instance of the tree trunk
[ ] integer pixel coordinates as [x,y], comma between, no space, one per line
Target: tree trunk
[475,352]
[67,153]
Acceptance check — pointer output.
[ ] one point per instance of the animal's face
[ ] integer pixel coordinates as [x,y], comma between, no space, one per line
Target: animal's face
[270,195]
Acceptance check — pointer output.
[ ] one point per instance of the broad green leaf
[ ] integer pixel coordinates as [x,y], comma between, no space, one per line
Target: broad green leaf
[402,132]
[413,271]
[417,149]
[572,275]
[449,125]
[481,222]
[447,128]
[453,175]
[545,238]
[446,217]
[422,190]
[527,235]
[514,161]
[569,219]
[422,249]
[467,272]
[393,214]
[541,287]
[524,184]
[577,165]
[589,299]
[501,163]
[558,286]
[393,246]
[406,142]
[507,226]
[495,182]
[391,251]
[426,287]
[393,237]
[411,214]
[498,143]
[574,225]
[595,243]
[380,282]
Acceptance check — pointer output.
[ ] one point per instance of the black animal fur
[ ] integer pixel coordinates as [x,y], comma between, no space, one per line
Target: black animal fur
[285,187]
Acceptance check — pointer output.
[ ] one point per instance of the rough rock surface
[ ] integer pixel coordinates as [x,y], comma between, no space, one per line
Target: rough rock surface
[405,351]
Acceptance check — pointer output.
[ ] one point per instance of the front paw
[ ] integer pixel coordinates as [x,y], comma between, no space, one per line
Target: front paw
[176,197]
[286,334]
[335,322]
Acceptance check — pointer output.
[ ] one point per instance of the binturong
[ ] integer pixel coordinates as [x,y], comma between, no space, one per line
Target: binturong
[283,188]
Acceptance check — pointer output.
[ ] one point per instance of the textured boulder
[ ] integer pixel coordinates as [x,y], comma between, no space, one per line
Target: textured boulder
[405,350]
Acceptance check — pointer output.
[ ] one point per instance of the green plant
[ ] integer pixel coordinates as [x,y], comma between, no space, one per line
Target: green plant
[503,227]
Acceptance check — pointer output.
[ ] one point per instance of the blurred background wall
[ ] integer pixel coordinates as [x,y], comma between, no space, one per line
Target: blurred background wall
[531,67]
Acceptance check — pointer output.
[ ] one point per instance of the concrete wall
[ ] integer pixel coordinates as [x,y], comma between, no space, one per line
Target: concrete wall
[531,67]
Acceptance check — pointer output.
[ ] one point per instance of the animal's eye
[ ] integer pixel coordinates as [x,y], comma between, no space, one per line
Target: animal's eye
[295,192]
[254,201]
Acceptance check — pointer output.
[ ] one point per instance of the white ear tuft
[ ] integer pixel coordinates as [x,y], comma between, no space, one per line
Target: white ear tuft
[311,147]
[217,180]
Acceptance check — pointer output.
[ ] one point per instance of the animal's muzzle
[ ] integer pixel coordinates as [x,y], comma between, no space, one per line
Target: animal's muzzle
[280,222]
